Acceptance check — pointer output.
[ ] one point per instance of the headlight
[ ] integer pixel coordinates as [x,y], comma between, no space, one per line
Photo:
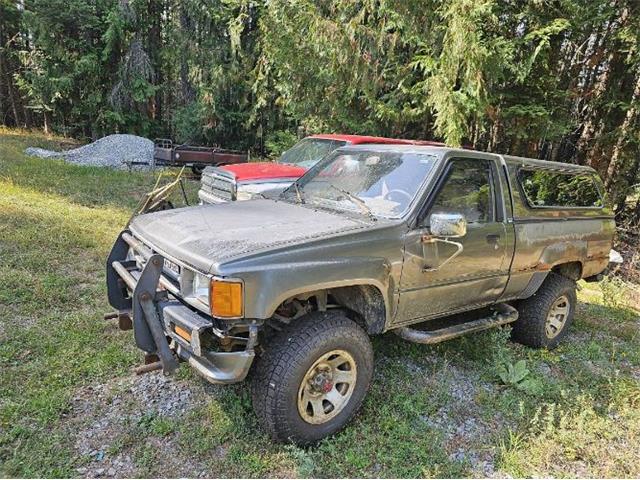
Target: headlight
[249,191]
[242,195]
[200,288]
[226,299]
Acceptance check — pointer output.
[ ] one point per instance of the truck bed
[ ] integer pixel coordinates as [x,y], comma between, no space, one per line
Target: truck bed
[167,154]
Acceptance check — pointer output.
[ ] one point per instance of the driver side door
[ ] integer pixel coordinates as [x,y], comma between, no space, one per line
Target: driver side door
[477,267]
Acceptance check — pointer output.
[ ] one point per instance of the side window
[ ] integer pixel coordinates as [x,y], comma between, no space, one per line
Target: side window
[467,190]
[547,188]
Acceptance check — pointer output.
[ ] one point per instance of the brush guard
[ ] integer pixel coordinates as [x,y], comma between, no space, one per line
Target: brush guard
[141,296]
[147,326]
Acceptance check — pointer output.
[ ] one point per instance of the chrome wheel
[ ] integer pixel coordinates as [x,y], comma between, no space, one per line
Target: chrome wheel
[557,317]
[327,387]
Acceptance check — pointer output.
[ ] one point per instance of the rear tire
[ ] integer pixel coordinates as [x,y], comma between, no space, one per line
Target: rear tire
[312,378]
[546,316]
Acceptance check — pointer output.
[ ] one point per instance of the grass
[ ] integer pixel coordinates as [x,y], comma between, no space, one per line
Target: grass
[441,411]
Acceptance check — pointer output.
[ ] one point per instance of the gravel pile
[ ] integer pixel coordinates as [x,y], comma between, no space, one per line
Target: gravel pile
[119,151]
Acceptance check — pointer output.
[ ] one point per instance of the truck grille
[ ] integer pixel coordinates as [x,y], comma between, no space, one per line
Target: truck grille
[218,185]
[176,278]
[139,252]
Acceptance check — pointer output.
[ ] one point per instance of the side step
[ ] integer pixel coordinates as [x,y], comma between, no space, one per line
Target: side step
[503,314]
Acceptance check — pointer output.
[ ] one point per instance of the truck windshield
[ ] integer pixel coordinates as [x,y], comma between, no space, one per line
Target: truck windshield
[309,151]
[377,183]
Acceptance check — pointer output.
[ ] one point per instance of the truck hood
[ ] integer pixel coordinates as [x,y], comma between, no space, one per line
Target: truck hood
[207,235]
[264,171]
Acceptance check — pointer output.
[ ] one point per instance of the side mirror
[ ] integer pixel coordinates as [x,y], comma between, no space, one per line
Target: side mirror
[449,225]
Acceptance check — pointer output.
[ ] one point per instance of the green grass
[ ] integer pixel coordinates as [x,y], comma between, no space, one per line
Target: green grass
[432,411]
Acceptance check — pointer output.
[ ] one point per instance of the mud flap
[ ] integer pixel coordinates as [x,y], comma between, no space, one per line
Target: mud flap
[116,292]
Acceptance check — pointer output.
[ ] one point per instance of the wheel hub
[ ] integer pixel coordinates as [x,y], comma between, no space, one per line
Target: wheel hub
[321,382]
[327,387]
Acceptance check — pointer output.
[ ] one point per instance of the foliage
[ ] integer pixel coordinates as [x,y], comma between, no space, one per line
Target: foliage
[517,375]
[613,291]
[513,374]
[279,141]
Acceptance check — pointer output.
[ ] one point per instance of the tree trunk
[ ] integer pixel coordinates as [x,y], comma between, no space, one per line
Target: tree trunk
[494,137]
[155,10]
[186,88]
[614,175]
[6,74]
[46,122]
[593,118]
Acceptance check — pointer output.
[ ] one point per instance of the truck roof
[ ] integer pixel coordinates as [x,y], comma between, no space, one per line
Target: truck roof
[360,139]
[439,150]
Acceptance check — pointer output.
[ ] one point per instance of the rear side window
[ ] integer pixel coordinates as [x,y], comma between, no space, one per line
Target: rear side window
[548,188]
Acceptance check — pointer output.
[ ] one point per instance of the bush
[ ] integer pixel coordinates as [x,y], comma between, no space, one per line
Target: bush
[613,292]
[279,141]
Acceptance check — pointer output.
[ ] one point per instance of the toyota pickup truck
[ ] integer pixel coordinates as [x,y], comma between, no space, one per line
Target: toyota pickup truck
[372,239]
[244,181]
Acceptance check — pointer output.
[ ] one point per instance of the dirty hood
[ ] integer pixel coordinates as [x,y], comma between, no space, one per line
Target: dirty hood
[206,235]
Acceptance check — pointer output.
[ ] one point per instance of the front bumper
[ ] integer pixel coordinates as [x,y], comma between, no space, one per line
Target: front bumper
[158,316]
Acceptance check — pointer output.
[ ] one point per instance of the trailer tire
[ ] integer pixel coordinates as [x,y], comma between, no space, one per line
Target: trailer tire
[312,378]
[545,317]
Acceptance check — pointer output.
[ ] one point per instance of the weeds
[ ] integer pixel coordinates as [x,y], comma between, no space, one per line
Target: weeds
[613,292]
[514,375]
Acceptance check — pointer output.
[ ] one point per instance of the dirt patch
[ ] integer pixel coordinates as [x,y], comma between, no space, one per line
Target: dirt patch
[461,422]
[118,409]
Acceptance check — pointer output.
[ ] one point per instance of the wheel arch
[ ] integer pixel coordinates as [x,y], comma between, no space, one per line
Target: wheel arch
[571,270]
[564,258]
[366,299]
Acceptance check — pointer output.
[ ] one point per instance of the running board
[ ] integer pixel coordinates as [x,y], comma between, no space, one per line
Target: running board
[502,315]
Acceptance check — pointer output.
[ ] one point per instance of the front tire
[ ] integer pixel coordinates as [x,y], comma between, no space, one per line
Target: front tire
[312,378]
[197,170]
[545,317]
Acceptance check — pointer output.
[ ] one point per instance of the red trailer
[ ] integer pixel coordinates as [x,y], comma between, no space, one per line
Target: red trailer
[197,157]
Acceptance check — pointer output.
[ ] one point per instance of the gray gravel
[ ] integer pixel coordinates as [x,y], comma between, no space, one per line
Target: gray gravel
[119,151]
[128,403]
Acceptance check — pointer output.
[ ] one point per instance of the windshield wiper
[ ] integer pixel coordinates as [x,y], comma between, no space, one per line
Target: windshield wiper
[358,201]
[298,192]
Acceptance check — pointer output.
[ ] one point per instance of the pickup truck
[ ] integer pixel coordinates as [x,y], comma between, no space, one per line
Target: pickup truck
[372,239]
[245,181]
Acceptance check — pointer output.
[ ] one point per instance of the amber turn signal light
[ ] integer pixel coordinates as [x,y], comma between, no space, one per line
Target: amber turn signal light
[225,299]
